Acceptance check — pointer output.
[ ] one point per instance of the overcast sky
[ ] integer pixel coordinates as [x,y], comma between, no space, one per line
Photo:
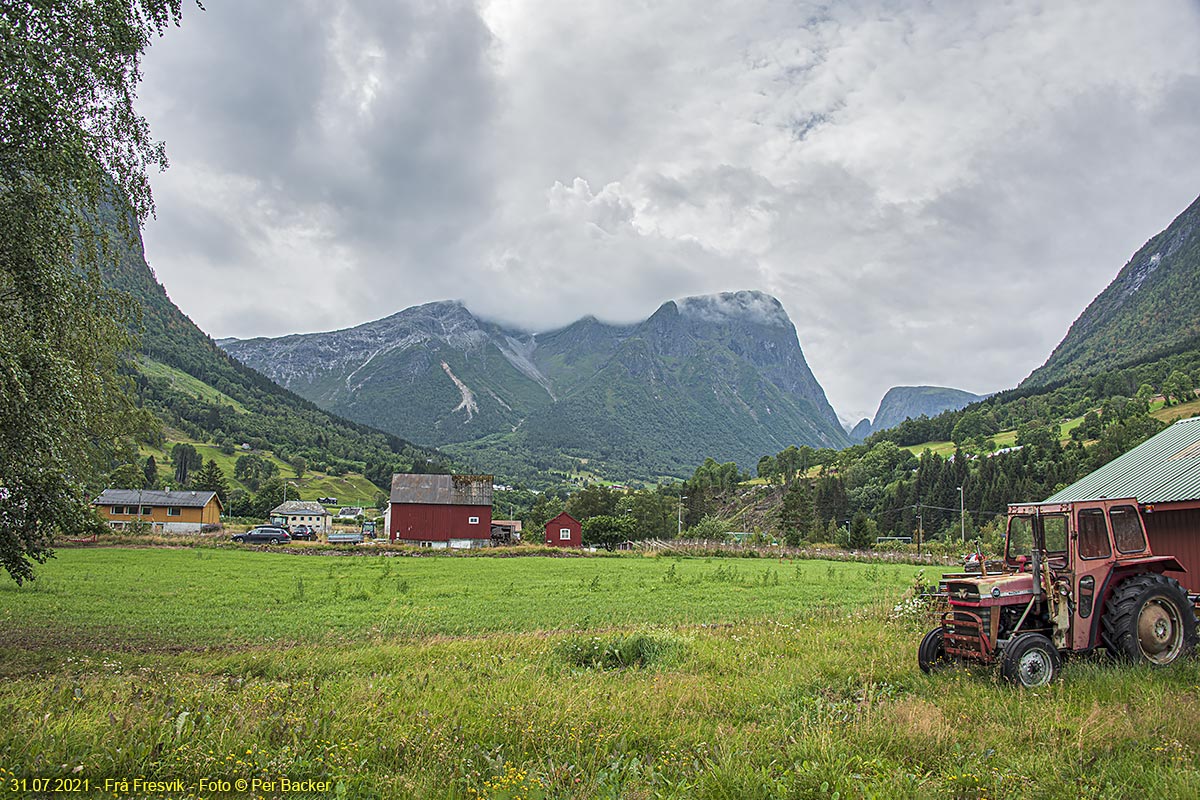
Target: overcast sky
[934,190]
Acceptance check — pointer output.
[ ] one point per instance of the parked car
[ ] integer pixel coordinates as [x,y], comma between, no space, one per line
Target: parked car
[304,532]
[263,534]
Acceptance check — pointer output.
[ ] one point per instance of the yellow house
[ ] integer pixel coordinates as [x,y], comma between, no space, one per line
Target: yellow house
[169,512]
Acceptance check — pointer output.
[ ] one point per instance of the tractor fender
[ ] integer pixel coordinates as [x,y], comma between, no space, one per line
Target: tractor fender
[1158,564]
[1120,571]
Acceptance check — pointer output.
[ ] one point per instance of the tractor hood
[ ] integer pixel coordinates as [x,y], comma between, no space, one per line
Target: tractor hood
[1003,589]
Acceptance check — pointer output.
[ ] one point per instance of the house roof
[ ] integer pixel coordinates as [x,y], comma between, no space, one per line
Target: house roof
[1163,469]
[153,497]
[300,507]
[442,490]
[562,515]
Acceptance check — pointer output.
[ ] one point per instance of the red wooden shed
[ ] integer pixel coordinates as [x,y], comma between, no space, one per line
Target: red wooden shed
[441,511]
[564,531]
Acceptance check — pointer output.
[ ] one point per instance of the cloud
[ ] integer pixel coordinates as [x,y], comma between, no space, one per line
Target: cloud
[933,190]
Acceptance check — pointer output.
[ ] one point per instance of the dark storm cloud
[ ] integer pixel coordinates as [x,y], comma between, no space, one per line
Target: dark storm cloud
[934,190]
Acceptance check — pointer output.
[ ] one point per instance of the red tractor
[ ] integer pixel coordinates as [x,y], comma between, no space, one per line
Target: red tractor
[1082,574]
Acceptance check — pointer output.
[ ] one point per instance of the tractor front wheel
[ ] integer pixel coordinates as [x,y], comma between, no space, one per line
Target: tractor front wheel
[1149,620]
[931,654]
[1030,660]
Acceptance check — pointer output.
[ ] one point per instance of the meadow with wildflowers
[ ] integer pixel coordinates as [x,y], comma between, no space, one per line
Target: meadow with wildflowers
[547,678]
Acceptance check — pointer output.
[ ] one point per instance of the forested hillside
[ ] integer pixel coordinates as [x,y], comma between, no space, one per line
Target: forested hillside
[1152,304]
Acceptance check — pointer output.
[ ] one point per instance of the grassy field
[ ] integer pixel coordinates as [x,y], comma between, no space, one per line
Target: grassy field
[187,384]
[546,677]
[1172,413]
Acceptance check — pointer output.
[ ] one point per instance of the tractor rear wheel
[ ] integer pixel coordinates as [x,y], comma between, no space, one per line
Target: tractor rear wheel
[1149,620]
[931,654]
[1030,660]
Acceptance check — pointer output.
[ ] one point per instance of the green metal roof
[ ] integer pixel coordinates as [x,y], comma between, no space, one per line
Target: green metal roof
[1163,469]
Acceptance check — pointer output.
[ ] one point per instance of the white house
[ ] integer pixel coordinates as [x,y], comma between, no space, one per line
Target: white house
[303,512]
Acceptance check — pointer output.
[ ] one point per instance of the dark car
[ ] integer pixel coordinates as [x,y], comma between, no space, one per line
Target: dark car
[303,532]
[263,534]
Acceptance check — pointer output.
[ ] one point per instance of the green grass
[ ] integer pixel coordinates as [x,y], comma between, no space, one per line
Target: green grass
[1181,411]
[94,594]
[187,384]
[542,677]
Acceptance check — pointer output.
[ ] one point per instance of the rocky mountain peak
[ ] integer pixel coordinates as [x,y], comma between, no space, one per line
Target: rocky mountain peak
[744,306]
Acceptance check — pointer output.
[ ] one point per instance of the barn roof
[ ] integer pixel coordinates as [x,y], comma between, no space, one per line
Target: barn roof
[153,497]
[442,490]
[1163,469]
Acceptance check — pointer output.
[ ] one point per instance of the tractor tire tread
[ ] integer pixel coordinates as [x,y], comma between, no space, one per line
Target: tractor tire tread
[1119,633]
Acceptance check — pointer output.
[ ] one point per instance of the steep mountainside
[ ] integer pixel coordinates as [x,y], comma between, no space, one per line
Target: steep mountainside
[909,402]
[1153,304]
[246,406]
[720,376]
[904,402]
[431,373]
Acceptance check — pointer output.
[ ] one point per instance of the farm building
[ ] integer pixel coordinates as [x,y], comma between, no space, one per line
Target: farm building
[1163,475]
[564,531]
[441,511]
[169,512]
[302,512]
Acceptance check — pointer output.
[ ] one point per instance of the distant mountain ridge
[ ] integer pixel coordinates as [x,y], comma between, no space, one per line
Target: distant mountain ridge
[716,375]
[1153,304]
[910,402]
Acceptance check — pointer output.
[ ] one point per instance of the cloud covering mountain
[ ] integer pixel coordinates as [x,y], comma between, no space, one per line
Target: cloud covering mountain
[933,189]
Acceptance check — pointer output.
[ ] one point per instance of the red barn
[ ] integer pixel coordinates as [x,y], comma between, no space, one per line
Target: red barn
[564,531]
[441,511]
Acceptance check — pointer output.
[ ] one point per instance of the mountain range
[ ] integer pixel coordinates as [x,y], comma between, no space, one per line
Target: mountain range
[717,375]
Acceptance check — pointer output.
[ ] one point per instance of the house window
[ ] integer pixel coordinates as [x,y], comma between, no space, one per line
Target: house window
[118,509]
[473,520]
[147,510]
[564,534]
[173,512]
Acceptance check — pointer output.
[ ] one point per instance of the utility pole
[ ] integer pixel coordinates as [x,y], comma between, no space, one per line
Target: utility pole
[962,510]
[920,527]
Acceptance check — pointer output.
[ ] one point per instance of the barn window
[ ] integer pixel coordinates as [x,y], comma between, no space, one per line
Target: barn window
[473,520]
[173,512]
[564,533]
